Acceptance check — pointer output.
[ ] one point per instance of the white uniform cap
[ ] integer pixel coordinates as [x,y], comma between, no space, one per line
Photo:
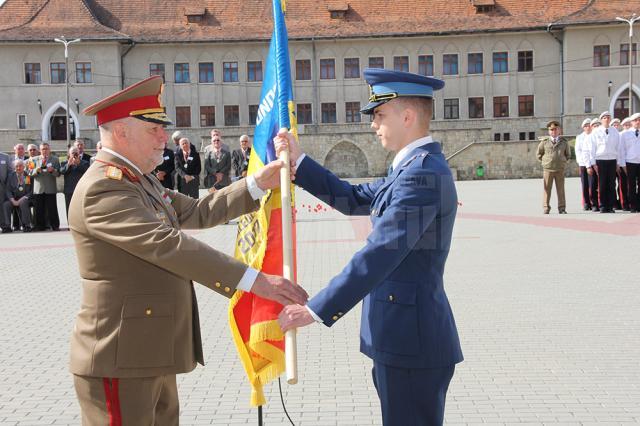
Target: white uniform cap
[604,114]
[176,135]
[615,120]
[634,116]
[625,121]
[586,122]
[595,121]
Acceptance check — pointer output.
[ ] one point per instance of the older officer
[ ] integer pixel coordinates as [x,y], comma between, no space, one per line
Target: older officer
[605,155]
[217,165]
[44,169]
[138,322]
[587,178]
[407,324]
[554,153]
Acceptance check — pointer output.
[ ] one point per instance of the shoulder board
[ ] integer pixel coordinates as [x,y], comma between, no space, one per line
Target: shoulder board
[113,172]
[406,163]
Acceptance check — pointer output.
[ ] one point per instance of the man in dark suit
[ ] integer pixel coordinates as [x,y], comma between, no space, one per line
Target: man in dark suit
[79,144]
[72,170]
[240,158]
[407,325]
[164,172]
[217,165]
[5,168]
[188,167]
[18,192]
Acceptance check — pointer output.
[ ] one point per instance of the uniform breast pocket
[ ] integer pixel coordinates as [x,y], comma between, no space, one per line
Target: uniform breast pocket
[394,318]
[146,334]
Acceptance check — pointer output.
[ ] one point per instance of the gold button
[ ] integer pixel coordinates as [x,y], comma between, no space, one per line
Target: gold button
[227,289]
[218,285]
[335,318]
[147,311]
[391,298]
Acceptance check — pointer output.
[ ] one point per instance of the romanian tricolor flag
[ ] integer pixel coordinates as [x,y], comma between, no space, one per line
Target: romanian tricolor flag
[253,320]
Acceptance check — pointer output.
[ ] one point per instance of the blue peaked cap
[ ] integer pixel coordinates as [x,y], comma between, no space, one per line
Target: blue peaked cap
[385,85]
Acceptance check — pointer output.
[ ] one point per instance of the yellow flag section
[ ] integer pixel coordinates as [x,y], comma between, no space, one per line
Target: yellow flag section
[253,320]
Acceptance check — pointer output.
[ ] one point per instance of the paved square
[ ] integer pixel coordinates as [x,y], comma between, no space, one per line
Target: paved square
[547,310]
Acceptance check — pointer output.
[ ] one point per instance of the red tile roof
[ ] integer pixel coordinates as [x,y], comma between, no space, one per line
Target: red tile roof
[165,20]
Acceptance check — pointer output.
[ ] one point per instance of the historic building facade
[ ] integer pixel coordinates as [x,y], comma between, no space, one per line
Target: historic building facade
[509,67]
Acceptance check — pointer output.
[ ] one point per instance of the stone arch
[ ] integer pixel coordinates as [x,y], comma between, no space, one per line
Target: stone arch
[624,87]
[302,53]
[205,56]
[451,48]
[254,55]
[601,39]
[46,120]
[180,58]
[81,56]
[327,53]
[156,58]
[375,51]
[525,44]
[345,159]
[426,49]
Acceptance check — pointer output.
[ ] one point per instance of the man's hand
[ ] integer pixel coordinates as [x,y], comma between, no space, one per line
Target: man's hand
[160,175]
[268,177]
[294,316]
[219,177]
[286,140]
[590,171]
[188,178]
[279,289]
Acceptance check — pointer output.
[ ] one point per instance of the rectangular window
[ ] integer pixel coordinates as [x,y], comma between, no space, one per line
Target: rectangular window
[156,69]
[376,62]
[476,107]
[451,109]
[253,114]
[425,65]
[83,72]
[231,115]
[22,121]
[254,71]
[624,53]
[304,113]
[532,136]
[183,116]
[32,74]
[525,61]
[525,106]
[351,67]
[207,116]
[601,56]
[496,137]
[303,69]
[205,72]
[328,112]
[500,62]
[58,73]
[352,110]
[327,69]
[181,73]
[401,63]
[230,72]
[500,106]
[475,65]
[588,105]
[522,136]
[450,64]
[506,137]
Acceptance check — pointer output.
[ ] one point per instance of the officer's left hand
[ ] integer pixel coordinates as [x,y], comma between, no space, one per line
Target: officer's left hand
[268,177]
[294,316]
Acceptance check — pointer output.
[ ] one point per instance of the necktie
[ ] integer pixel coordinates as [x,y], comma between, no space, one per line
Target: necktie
[637,132]
[606,131]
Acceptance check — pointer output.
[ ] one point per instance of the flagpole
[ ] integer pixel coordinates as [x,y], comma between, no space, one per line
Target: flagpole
[290,346]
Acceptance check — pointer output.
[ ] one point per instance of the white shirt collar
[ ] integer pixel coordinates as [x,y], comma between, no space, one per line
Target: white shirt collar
[401,155]
[123,158]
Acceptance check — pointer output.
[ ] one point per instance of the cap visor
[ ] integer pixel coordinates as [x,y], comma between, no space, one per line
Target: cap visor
[368,109]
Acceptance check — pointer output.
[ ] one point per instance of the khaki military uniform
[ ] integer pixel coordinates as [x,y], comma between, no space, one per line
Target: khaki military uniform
[138,321]
[554,158]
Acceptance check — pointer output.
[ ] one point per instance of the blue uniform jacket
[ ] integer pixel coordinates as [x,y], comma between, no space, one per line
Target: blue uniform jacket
[406,318]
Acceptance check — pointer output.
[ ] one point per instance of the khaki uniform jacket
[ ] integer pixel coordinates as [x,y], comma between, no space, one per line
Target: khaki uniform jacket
[139,314]
[554,157]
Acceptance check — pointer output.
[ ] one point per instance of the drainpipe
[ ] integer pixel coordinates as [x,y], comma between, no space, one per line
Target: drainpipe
[132,44]
[560,41]
[314,76]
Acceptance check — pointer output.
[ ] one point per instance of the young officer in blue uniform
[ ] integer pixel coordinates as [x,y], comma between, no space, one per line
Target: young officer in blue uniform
[407,325]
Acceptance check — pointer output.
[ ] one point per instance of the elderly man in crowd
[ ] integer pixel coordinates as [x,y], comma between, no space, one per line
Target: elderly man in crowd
[165,171]
[44,169]
[72,170]
[5,168]
[217,165]
[587,176]
[79,144]
[18,193]
[188,168]
[32,150]
[554,154]
[19,153]
[240,158]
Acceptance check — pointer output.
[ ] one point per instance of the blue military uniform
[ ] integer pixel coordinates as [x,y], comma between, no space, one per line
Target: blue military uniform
[407,325]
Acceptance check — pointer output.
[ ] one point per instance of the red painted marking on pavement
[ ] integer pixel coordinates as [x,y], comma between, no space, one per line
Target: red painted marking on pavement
[627,227]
